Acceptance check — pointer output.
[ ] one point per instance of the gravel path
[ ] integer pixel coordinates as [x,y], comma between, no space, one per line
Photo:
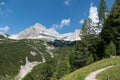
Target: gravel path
[92,75]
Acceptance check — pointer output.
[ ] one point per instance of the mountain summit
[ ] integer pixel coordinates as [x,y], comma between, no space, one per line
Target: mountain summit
[38,31]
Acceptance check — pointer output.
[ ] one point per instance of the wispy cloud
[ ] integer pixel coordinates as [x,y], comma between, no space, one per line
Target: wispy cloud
[64,22]
[67,2]
[3,9]
[2,3]
[4,29]
[81,21]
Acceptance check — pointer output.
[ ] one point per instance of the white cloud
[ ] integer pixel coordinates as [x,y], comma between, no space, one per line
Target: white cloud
[5,11]
[55,26]
[93,14]
[4,29]
[64,22]
[67,2]
[81,21]
[2,3]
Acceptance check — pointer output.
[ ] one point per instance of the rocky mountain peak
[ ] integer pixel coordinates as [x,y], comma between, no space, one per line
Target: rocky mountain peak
[38,31]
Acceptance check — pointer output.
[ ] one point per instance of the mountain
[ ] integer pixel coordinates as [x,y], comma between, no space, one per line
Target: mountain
[71,36]
[39,31]
[93,21]
[3,36]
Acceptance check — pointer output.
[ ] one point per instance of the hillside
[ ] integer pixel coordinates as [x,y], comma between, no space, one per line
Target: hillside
[19,57]
[14,54]
[53,69]
[111,74]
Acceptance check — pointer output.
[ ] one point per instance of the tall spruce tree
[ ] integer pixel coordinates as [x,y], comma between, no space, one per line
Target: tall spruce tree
[83,55]
[116,7]
[85,30]
[111,29]
[102,11]
[115,13]
[110,50]
[62,65]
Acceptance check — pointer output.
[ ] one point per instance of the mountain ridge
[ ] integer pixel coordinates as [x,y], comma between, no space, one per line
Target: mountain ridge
[38,31]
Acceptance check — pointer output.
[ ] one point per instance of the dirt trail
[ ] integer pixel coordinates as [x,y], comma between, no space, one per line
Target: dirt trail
[92,75]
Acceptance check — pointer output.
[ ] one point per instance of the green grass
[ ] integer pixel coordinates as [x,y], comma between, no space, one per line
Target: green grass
[7,77]
[110,74]
[81,73]
[46,70]
[42,71]
[13,54]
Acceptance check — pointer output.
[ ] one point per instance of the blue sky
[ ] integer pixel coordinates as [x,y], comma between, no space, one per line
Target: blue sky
[63,15]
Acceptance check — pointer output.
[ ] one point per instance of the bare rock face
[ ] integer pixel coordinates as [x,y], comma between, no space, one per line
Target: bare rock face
[38,31]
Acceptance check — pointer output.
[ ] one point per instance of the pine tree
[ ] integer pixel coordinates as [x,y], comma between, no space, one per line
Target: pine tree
[110,50]
[111,29]
[102,11]
[83,56]
[115,13]
[85,30]
[116,7]
[88,28]
[62,66]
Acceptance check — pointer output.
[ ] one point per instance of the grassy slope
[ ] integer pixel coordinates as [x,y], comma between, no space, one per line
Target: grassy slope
[111,74]
[13,54]
[81,73]
[45,71]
